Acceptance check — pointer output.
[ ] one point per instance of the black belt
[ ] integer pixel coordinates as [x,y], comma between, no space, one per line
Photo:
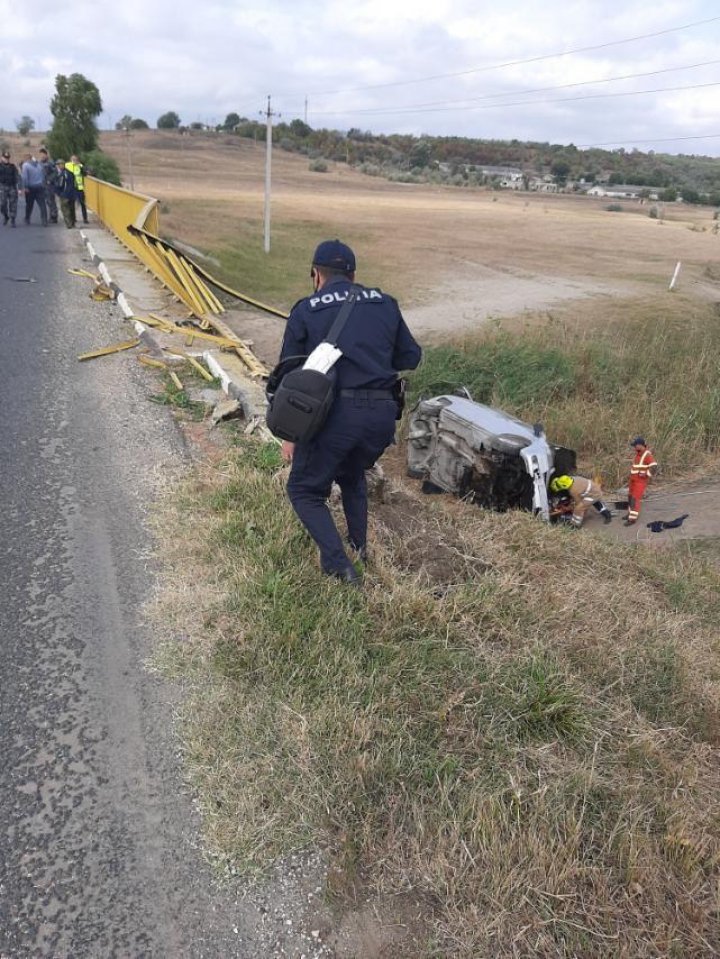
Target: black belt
[361,394]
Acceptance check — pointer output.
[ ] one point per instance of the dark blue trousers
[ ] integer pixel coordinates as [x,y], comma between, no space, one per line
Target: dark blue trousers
[356,433]
[35,194]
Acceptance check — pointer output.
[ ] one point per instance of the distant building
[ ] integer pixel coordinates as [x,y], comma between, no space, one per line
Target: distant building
[512,181]
[622,191]
[543,184]
[509,173]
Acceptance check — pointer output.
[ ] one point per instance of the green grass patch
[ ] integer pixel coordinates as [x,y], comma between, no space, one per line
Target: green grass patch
[526,747]
[179,400]
[282,276]
[645,369]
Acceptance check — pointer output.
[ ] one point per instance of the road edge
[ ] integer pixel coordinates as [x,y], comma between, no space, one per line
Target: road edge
[247,391]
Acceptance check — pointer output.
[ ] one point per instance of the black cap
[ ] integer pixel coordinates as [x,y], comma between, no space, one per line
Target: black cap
[638,441]
[336,255]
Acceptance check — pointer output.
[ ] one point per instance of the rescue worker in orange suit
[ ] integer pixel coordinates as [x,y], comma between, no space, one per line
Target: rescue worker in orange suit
[642,470]
[583,494]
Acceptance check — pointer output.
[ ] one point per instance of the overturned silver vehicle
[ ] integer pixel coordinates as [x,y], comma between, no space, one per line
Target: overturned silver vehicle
[462,447]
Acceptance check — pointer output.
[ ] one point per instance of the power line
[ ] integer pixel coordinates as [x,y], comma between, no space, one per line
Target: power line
[521,103]
[515,63]
[704,136]
[560,86]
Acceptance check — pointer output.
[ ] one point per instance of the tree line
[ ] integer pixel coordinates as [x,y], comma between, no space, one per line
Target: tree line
[461,160]
[458,160]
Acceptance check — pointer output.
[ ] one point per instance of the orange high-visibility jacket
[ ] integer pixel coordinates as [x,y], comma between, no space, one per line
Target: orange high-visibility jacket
[643,465]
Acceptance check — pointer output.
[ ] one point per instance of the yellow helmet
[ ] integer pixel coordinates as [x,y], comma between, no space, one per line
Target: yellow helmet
[560,483]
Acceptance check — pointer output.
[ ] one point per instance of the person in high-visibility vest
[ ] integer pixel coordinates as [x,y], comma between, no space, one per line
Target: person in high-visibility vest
[584,493]
[643,468]
[78,171]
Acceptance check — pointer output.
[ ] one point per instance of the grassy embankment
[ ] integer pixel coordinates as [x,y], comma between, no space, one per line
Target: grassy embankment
[235,246]
[525,733]
[647,367]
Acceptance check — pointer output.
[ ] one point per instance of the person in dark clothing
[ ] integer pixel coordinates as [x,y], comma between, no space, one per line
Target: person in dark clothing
[376,345]
[49,174]
[10,183]
[34,185]
[65,189]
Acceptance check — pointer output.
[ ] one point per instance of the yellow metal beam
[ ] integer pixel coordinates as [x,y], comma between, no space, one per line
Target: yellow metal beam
[133,218]
[199,308]
[158,265]
[107,350]
[253,364]
[211,279]
[151,361]
[194,363]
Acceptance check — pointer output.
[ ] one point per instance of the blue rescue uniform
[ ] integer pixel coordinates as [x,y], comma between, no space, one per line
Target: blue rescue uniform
[376,346]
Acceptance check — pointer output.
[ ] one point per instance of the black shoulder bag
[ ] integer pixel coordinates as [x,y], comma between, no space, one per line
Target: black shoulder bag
[299,400]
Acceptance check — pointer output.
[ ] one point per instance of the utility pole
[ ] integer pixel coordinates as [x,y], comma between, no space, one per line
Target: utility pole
[305,111]
[268,161]
[129,154]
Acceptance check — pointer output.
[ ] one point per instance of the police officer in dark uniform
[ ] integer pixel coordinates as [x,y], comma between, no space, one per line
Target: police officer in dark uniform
[10,183]
[376,345]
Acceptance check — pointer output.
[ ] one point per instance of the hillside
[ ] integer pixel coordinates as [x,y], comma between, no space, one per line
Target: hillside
[697,177]
[454,256]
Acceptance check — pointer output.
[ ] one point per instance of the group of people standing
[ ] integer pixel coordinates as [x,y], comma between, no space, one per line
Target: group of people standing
[43,183]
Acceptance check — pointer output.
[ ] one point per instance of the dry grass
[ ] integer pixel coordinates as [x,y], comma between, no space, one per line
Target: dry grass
[620,370]
[425,244]
[517,724]
[526,735]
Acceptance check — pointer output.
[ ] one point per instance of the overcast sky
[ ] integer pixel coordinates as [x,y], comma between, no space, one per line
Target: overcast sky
[444,67]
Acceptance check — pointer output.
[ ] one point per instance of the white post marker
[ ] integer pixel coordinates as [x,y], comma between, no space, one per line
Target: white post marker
[675,275]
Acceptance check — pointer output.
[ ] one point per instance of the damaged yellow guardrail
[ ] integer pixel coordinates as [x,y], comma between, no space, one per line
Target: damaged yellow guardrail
[134,219]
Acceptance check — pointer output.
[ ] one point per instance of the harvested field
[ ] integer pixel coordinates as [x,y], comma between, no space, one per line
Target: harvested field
[453,257]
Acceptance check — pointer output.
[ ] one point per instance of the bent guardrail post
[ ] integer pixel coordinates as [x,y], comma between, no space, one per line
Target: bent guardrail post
[133,219]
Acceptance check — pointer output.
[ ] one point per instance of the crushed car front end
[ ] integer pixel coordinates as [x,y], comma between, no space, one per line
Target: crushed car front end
[483,454]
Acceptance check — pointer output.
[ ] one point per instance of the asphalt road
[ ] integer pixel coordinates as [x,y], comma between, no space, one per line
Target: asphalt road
[99,851]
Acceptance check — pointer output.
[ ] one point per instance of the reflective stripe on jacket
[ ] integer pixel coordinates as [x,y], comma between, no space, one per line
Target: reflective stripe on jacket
[643,464]
[583,489]
[78,171]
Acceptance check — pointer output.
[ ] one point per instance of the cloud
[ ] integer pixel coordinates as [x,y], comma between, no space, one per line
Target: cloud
[409,66]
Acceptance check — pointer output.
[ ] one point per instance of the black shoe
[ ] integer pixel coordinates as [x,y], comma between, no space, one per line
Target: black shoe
[629,522]
[607,516]
[12,222]
[348,575]
[5,220]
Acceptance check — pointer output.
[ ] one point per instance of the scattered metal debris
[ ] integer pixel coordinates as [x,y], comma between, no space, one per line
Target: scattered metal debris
[151,361]
[106,350]
[198,367]
[76,271]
